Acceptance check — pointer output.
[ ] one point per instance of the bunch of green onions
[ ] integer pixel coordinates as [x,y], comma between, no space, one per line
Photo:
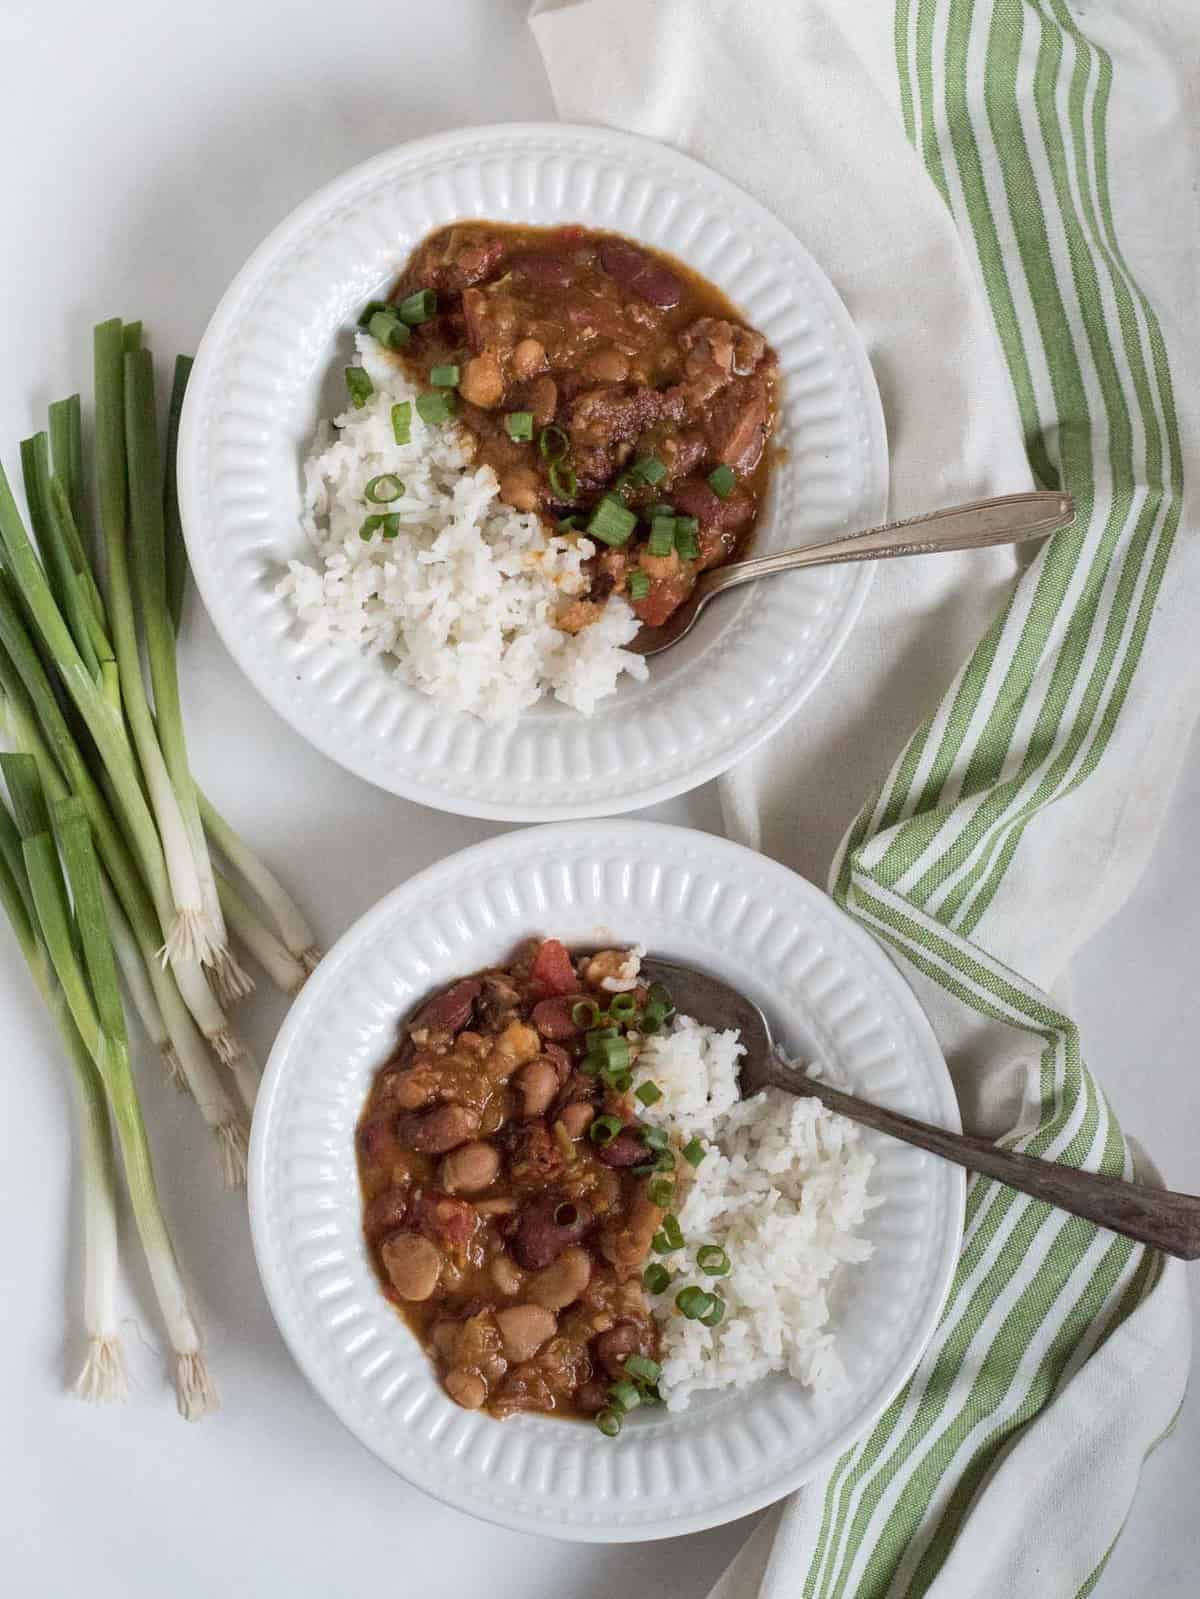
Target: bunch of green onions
[84,621]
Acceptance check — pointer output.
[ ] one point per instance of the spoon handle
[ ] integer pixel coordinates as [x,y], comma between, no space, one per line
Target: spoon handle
[1007,520]
[1154,1216]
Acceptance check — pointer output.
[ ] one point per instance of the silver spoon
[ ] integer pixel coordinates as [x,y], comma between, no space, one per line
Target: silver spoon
[1008,520]
[1154,1216]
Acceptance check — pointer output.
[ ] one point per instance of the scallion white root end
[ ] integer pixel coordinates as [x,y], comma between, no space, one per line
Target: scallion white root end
[232,1153]
[233,1053]
[310,958]
[195,1392]
[102,1380]
[230,979]
[192,937]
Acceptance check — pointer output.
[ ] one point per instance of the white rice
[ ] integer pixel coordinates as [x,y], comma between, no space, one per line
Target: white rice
[782,1189]
[462,602]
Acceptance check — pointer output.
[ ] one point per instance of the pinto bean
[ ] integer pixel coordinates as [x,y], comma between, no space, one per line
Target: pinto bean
[542,400]
[377,1138]
[470,1168]
[552,1017]
[606,365]
[537,1084]
[519,487]
[451,1009]
[561,1284]
[413,1265]
[482,382]
[385,1212]
[433,1132]
[445,1337]
[507,1275]
[524,1329]
[547,1225]
[528,357]
[577,1118]
[592,1397]
[466,1388]
[610,1348]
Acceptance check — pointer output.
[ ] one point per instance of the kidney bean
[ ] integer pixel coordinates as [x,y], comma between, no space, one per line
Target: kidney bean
[626,1149]
[377,1138]
[637,272]
[433,1132]
[546,270]
[610,1348]
[552,1017]
[545,1227]
[450,1010]
[386,1211]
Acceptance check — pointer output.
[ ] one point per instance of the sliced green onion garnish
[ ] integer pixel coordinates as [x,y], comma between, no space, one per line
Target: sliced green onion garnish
[653,1017]
[566,524]
[388,525]
[609,1422]
[660,995]
[664,1160]
[712,1260]
[637,584]
[611,522]
[369,310]
[418,307]
[553,443]
[359,386]
[436,408]
[402,421]
[648,1093]
[641,1366]
[612,1054]
[387,327]
[715,1312]
[653,1137]
[385,488]
[519,426]
[655,1279]
[585,1013]
[673,1231]
[625,1395]
[622,1006]
[444,377]
[687,539]
[619,1082]
[604,1031]
[721,481]
[694,1152]
[650,469]
[604,1129]
[563,480]
[693,1302]
[662,535]
[661,1191]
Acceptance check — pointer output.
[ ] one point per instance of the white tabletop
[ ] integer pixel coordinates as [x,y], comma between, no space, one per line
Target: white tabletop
[144,150]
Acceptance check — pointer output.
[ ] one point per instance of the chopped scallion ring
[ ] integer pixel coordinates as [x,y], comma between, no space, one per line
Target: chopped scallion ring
[563,482]
[553,444]
[715,1313]
[661,1191]
[622,1006]
[436,408]
[625,1395]
[417,308]
[648,1093]
[664,1160]
[444,377]
[388,526]
[568,524]
[656,1279]
[604,1129]
[721,481]
[637,584]
[369,310]
[585,1013]
[687,537]
[609,1422]
[611,522]
[662,536]
[519,426]
[641,1366]
[612,1054]
[673,1231]
[402,421]
[693,1302]
[653,1137]
[712,1260]
[387,327]
[359,386]
[650,469]
[385,488]
[694,1152]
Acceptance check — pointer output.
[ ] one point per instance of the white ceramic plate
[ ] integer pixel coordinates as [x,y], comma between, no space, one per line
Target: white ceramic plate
[270,365]
[830,993]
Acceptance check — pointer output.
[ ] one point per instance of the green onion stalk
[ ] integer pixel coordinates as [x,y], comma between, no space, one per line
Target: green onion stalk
[28,701]
[191,932]
[75,933]
[149,545]
[102,1376]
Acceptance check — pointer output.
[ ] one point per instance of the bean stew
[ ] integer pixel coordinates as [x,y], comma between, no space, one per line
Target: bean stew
[511,1195]
[613,390]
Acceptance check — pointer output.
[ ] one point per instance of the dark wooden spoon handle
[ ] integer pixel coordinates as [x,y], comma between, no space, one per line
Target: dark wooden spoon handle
[1154,1216]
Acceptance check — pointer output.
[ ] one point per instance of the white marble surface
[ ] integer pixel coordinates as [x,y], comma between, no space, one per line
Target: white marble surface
[144,150]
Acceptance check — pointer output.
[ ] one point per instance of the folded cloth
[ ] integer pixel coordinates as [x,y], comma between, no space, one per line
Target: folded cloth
[1004,196]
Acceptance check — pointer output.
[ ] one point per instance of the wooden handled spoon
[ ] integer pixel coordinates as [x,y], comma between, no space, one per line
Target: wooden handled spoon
[1154,1216]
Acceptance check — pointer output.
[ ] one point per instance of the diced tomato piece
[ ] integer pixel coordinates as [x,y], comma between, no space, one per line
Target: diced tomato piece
[552,971]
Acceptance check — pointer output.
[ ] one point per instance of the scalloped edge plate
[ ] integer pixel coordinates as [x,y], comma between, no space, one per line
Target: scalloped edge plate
[832,995]
[278,339]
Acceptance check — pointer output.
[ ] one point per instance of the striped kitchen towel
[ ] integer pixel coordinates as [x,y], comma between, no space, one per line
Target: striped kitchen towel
[1004,193]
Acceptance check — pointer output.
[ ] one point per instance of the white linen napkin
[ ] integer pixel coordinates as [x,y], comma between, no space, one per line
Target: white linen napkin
[967,179]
